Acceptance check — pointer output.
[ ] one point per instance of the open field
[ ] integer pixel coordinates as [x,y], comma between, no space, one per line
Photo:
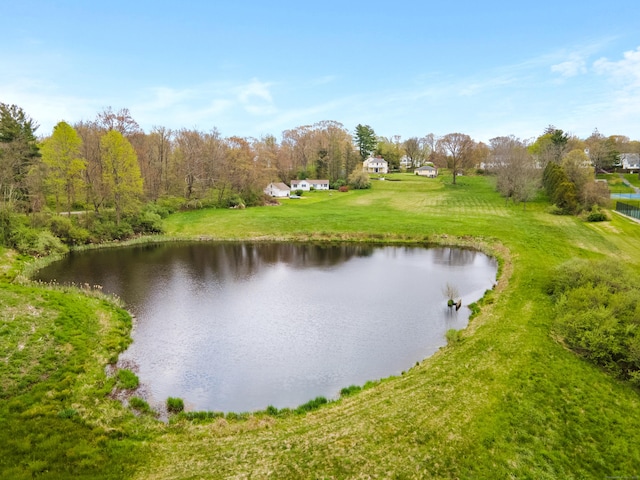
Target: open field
[508,401]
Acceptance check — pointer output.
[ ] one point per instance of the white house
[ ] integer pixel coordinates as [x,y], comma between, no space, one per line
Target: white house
[427,171]
[630,161]
[375,165]
[306,185]
[319,184]
[277,189]
[300,185]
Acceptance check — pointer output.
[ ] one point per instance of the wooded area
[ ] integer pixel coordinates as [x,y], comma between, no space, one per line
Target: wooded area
[123,179]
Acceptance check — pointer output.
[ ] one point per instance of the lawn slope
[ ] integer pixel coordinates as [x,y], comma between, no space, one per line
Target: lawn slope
[507,401]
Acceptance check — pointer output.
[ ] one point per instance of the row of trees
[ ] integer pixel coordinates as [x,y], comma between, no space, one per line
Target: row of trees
[110,166]
[564,165]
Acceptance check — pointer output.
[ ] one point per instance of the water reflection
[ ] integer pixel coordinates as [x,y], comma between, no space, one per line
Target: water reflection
[239,326]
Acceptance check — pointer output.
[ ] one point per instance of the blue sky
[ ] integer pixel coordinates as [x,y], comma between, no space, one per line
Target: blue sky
[251,68]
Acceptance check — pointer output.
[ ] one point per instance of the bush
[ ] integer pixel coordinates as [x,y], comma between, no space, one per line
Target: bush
[298,192]
[359,180]
[127,379]
[597,314]
[106,229]
[597,215]
[175,405]
[343,188]
[341,182]
[36,242]
[147,221]
[167,205]
[235,201]
[65,230]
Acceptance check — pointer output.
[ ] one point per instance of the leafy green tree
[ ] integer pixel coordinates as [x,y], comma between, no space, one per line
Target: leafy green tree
[18,152]
[577,167]
[559,188]
[121,172]
[551,146]
[65,167]
[391,150]
[366,140]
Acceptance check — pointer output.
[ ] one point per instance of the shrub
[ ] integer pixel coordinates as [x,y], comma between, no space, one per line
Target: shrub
[298,192]
[167,205]
[36,242]
[341,182]
[175,405]
[127,379]
[343,188]
[597,306]
[555,210]
[65,230]
[359,180]
[235,201]
[147,221]
[597,215]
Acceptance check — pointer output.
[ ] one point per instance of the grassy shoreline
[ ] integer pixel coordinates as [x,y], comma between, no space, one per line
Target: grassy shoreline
[507,400]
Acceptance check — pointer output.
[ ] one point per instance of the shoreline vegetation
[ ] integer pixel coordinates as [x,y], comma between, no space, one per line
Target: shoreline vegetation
[507,398]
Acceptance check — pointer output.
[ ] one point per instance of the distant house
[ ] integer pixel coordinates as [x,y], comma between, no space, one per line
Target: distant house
[319,184]
[278,190]
[630,161]
[427,171]
[405,162]
[307,185]
[375,165]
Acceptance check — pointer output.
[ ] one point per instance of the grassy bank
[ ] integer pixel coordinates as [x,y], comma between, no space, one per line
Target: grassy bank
[507,401]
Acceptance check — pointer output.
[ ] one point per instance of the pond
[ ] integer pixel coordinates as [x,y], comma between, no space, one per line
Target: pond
[240,326]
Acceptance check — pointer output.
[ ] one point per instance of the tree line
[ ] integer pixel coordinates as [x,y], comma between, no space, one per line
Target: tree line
[124,179]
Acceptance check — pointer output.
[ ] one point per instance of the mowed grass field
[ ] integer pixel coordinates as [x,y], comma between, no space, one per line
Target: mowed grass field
[507,401]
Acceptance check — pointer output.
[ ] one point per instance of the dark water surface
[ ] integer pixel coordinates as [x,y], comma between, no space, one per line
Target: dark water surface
[239,326]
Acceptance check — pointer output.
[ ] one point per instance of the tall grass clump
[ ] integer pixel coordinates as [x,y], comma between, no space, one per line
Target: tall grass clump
[127,379]
[312,405]
[453,336]
[175,405]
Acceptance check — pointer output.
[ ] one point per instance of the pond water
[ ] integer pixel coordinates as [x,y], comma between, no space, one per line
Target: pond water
[240,326]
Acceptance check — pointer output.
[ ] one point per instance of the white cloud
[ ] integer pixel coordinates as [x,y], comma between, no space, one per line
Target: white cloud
[625,71]
[256,98]
[570,68]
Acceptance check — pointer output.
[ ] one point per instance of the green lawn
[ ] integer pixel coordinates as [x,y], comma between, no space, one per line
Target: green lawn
[508,401]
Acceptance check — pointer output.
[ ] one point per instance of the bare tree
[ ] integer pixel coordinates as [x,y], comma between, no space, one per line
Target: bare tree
[416,151]
[457,149]
[518,178]
[121,121]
